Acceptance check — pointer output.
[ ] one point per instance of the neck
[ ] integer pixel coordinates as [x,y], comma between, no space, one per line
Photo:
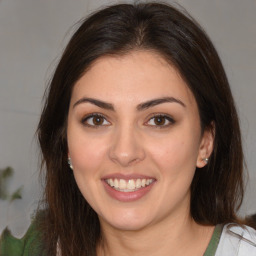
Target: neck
[177,237]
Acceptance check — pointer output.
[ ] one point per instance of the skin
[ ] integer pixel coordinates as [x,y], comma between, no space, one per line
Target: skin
[130,141]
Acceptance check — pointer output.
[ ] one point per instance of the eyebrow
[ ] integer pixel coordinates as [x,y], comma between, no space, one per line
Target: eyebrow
[154,102]
[98,103]
[140,107]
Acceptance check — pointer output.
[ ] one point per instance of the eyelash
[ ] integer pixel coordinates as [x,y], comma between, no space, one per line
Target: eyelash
[94,115]
[166,118]
[97,115]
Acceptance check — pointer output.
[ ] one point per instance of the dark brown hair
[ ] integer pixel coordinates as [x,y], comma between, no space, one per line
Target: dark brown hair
[217,189]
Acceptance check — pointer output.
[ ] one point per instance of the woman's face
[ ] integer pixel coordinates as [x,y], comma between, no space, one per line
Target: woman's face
[134,140]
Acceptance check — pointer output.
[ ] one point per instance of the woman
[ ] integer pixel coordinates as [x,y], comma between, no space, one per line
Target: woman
[140,142]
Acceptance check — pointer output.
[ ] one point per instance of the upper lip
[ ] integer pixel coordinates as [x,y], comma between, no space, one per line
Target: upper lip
[127,176]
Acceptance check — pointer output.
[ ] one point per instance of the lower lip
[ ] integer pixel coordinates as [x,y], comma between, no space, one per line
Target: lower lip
[127,196]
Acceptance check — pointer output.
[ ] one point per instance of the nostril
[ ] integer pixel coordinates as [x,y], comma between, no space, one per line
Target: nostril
[126,158]
[126,148]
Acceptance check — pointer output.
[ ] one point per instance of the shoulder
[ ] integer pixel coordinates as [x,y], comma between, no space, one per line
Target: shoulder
[29,244]
[237,240]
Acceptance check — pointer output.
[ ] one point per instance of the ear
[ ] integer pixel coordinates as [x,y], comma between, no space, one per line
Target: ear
[206,146]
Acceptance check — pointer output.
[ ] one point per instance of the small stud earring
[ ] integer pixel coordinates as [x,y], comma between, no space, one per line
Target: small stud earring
[70,163]
[206,160]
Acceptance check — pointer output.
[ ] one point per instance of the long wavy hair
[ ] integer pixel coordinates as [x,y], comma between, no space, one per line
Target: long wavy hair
[216,190]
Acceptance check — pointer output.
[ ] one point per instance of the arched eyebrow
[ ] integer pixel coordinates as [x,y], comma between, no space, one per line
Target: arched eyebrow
[98,103]
[140,107]
[154,102]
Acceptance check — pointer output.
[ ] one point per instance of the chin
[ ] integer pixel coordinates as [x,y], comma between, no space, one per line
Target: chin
[128,225]
[126,221]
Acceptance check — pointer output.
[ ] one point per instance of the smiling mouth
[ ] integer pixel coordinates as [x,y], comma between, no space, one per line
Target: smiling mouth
[130,185]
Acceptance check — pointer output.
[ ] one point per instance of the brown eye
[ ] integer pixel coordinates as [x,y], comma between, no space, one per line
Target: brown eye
[160,121]
[95,120]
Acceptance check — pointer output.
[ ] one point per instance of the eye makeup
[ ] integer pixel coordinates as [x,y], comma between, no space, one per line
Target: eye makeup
[95,120]
[160,121]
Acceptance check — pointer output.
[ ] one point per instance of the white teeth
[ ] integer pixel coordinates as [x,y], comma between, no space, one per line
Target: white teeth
[138,183]
[122,184]
[116,183]
[111,183]
[128,185]
[131,185]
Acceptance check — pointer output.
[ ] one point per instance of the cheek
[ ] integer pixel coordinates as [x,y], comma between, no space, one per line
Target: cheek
[88,156]
[86,152]
[177,152]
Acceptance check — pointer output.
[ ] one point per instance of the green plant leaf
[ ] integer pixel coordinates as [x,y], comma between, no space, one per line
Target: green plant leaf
[6,173]
[16,194]
[5,177]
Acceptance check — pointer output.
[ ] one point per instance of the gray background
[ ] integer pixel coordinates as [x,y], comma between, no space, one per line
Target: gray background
[33,34]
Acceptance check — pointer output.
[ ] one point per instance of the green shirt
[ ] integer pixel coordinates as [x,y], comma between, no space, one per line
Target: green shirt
[30,244]
[212,247]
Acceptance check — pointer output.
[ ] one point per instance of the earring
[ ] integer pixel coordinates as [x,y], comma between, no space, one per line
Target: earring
[206,160]
[70,163]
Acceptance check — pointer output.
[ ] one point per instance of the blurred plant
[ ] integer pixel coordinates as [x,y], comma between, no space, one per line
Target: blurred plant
[5,176]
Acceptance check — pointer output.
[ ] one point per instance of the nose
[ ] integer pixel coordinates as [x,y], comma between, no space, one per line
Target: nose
[126,147]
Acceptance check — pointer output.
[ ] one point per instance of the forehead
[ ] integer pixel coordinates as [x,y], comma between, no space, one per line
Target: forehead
[137,76]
